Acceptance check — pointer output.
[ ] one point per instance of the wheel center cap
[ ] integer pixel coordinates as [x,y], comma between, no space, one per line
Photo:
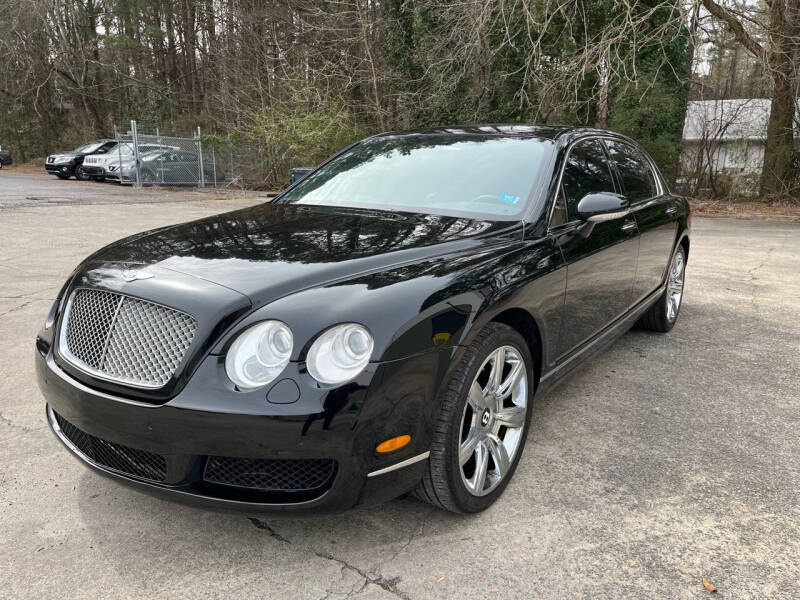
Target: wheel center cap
[486,417]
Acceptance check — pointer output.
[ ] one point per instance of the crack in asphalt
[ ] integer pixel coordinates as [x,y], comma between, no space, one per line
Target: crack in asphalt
[389,585]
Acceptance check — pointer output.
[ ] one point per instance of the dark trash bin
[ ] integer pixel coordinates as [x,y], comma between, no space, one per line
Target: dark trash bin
[298,173]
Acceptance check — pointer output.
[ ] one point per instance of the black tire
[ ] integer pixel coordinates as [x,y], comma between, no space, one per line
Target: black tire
[81,175]
[99,179]
[657,317]
[442,483]
[62,175]
[148,177]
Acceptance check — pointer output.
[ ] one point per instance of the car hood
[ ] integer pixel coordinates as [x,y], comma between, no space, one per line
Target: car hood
[271,250]
[66,155]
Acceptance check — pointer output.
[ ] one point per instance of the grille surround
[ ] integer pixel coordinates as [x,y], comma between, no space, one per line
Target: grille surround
[270,475]
[110,455]
[124,339]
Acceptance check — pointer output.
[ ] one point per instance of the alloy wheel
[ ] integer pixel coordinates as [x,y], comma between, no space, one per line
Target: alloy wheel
[493,421]
[675,285]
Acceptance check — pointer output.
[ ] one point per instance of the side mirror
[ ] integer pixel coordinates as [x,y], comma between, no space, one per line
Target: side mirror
[602,206]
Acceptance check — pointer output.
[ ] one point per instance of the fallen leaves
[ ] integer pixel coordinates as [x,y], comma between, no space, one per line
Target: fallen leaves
[710,587]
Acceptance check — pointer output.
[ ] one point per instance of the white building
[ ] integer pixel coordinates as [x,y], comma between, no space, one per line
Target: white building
[725,137]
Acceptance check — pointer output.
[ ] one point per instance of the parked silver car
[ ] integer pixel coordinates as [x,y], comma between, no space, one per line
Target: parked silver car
[106,166]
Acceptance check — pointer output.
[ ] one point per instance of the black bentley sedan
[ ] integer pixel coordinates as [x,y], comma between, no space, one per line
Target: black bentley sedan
[383,326]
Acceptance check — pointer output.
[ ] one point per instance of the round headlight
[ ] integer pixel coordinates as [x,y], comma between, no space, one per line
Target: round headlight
[340,353]
[259,354]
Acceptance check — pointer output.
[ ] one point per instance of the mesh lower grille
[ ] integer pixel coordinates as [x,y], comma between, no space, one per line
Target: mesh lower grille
[117,457]
[290,475]
[124,338]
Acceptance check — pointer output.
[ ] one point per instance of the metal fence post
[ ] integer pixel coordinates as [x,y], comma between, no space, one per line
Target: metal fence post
[200,156]
[214,164]
[118,137]
[135,135]
[160,159]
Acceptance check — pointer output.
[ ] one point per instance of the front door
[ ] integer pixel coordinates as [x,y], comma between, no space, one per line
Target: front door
[601,264]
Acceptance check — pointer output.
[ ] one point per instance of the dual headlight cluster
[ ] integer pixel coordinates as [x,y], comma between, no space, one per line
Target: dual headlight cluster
[262,351]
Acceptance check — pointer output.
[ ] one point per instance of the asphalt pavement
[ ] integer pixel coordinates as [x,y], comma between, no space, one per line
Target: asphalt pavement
[666,459]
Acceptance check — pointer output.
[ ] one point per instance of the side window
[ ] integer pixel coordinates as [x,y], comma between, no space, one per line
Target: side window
[637,175]
[586,172]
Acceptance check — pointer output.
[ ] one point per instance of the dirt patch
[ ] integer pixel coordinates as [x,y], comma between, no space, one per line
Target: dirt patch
[35,165]
[779,210]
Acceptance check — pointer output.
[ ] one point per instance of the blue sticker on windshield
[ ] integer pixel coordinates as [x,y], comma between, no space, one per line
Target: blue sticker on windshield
[508,198]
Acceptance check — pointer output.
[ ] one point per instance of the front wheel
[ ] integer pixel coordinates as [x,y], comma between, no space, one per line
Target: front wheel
[661,317]
[483,420]
[81,174]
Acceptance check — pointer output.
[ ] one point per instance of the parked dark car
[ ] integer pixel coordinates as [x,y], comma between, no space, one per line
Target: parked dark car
[170,167]
[69,164]
[379,328]
[5,158]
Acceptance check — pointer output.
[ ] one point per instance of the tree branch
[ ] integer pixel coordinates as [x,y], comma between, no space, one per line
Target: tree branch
[744,38]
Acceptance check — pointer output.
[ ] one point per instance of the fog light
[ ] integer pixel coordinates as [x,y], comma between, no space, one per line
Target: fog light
[393,444]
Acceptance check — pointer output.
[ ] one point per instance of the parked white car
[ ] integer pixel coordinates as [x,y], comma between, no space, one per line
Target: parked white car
[106,166]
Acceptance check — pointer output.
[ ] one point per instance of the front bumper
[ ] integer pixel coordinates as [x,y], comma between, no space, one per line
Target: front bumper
[60,169]
[94,170]
[194,427]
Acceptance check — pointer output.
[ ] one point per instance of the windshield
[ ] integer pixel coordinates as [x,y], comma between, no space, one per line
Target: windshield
[152,155]
[89,148]
[477,176]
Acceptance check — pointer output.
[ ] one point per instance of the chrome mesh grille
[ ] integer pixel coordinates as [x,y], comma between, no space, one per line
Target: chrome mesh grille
[125,339]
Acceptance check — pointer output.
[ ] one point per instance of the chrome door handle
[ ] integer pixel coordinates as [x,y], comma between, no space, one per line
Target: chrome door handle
[671,210]
[629,226]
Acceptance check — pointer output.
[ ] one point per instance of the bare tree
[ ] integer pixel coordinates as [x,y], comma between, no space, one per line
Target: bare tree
[777,53]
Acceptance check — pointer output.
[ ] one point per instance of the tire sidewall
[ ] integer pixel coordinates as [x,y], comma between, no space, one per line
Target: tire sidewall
[465,500]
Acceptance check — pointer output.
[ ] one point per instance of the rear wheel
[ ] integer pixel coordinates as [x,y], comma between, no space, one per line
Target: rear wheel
[663,314]
[148,177]
[480,432]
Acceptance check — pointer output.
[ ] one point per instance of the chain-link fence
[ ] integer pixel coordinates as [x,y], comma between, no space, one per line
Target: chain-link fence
[154,159]
[145,159]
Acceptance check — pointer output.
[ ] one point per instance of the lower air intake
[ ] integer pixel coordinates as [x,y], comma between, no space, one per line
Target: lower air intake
[116,457]
[285,475]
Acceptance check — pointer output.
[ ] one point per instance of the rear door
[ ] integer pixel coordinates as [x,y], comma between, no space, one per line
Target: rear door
[601,266]
[655,210]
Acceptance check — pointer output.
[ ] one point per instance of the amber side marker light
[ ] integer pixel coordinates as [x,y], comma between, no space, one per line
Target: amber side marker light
[393,444]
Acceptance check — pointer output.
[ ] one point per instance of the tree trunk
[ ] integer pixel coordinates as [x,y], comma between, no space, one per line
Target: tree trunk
[779,175]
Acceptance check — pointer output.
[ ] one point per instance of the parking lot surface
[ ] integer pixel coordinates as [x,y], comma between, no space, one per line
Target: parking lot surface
[666,459]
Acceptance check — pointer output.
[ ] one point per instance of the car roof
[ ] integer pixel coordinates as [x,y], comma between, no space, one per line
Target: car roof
[552,132]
